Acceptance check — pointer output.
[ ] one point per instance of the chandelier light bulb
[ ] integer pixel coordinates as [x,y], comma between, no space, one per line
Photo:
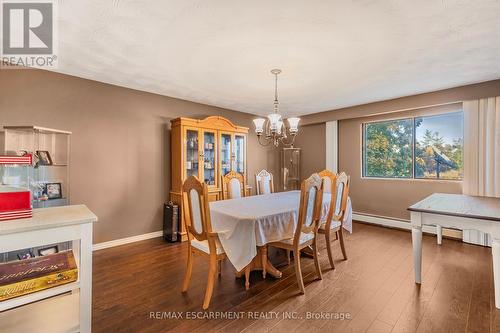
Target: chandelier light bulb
[293,122]
[259,125]
[274,119]
[280,126]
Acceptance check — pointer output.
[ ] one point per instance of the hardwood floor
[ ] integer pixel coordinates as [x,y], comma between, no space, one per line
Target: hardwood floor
[136,286]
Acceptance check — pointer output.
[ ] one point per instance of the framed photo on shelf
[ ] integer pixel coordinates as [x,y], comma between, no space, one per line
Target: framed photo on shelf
[53,190]
[48,250]
[26,255]
[44,157]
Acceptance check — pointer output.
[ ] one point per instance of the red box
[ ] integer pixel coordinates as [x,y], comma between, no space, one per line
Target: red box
[15,201]
[15,205]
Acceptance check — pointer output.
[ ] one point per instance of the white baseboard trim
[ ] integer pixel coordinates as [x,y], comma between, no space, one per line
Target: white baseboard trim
[390,222]
[127,240]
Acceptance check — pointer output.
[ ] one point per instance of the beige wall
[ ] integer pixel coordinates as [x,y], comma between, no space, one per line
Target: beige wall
[120,160]
[311,140]
[385,197]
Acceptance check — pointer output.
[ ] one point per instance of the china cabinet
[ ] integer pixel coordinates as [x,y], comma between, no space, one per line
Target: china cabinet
[207,149]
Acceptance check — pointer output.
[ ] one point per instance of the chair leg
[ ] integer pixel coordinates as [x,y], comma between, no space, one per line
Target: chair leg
[219,267]
[263,258]
[212,272]
[298,270]
[288,256]
[342,245]
[316,257]
[247,277]
[189,270]
[329,248]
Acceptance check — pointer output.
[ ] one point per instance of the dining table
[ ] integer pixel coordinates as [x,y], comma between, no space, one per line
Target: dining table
[246,225]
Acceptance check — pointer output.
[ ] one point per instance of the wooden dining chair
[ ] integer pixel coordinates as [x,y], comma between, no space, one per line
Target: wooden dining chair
[233,185]
[306,232]
[329,188]
[201,239]
[264,182]
[338,187]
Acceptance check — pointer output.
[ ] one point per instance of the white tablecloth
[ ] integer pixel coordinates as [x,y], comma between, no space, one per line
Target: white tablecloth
[245,223]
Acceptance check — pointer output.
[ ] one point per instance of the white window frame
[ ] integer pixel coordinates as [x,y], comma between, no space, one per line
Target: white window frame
[412,178]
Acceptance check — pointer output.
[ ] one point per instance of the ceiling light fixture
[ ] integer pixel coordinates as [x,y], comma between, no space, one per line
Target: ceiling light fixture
[273,129]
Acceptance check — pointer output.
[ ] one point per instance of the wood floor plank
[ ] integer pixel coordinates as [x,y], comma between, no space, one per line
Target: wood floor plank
[316,303]
[379,327]
[408,303]
[480,301]
[362,289]
[375,286]
[448,308]
[292,301]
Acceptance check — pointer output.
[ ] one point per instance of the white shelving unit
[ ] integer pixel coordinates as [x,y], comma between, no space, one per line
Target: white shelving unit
[15,139]
[49,226]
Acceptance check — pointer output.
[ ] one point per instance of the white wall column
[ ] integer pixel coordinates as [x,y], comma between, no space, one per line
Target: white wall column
[332,146]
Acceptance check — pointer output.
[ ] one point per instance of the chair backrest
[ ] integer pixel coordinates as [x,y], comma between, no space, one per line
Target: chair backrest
[311,197]
[329,187]
[343,181]
[196,209]
[233,185]
[264,182]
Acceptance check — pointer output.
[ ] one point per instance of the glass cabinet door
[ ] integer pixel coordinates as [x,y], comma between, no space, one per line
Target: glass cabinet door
[192,153]
[225,153]
[290,169]
[239,153]
[209,159]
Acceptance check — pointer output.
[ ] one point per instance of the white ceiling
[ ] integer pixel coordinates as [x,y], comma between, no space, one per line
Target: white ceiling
[333,53]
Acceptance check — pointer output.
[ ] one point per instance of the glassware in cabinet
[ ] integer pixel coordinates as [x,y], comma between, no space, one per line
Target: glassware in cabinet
[225,153]
[239,153]
[192,153]
[209,158]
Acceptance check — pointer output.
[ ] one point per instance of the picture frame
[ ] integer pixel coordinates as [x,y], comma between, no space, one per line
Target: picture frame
[44,157]
[26,255]
[53,190]
[48,250]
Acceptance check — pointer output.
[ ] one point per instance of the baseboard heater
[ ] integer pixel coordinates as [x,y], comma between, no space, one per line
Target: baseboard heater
[403,224]
[476,237]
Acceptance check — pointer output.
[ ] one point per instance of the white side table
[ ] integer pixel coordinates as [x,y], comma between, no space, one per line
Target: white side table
[49,226]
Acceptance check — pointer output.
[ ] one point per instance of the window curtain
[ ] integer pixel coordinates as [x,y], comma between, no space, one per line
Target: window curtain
[482,147]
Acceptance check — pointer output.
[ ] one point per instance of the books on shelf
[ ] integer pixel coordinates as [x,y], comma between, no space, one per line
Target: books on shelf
[18,278]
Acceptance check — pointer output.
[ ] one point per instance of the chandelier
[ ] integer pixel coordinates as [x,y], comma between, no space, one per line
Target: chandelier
[273,129]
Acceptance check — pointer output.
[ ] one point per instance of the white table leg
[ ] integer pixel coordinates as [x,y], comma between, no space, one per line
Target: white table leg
[439,234]
[495,250]
[416,235]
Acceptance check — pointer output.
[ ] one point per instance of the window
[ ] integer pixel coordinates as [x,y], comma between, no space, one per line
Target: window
[439,146]
[429,147]
[388,149]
